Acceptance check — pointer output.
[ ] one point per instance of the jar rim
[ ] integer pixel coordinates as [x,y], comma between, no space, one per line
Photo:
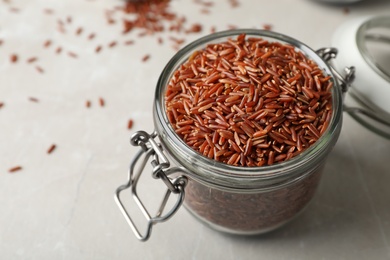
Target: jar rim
[218,170]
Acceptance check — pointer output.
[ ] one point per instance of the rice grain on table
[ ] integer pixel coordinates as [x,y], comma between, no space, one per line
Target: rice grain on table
[129,42]
[32,59]
[267,27]
[234,3]
[102,102]
[146,57]
[79,30]
[112,44]
[51,148]
[249,102]
[204,11]
[15,169]
[91,36]
[98,48]
[47,43]
[130,124]
[39,69]
[61,29]
[72,54]
[48,11]
[14,10]
[195,28]
[14,58]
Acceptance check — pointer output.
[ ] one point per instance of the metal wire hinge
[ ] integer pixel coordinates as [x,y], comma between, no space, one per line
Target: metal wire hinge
[151,149]
[345,80]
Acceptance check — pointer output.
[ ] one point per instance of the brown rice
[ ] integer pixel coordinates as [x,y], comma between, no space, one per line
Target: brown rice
[249,102]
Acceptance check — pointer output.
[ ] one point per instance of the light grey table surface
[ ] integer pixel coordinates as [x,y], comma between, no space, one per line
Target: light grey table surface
[60,205]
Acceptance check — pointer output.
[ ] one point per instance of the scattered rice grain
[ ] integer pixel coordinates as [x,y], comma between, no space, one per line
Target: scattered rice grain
[72,54]
[79,30]
[51,148]
[98,48]
[15,169]
[112,44]
[32,59]
[130,124]
[47,43]
[146,58]
[267,27]
[14,58]
[101,102]
[48,11]
[129,42]
[39,69]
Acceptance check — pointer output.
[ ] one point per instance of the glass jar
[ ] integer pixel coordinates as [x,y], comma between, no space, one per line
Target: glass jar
[233,199]
[365,42]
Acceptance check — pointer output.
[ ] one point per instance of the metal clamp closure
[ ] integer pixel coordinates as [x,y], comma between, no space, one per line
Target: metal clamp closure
[151,149]
[345,80]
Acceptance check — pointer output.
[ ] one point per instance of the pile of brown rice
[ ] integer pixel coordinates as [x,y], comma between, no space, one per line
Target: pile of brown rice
[249,102]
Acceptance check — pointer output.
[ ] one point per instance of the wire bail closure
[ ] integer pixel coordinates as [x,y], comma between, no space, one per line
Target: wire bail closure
[150,148]
[345,82]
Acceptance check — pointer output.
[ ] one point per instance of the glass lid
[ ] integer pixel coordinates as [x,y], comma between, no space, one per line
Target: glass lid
[373,41]
[365,43]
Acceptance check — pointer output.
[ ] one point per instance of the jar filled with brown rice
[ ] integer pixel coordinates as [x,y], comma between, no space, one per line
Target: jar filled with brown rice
[244,121]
